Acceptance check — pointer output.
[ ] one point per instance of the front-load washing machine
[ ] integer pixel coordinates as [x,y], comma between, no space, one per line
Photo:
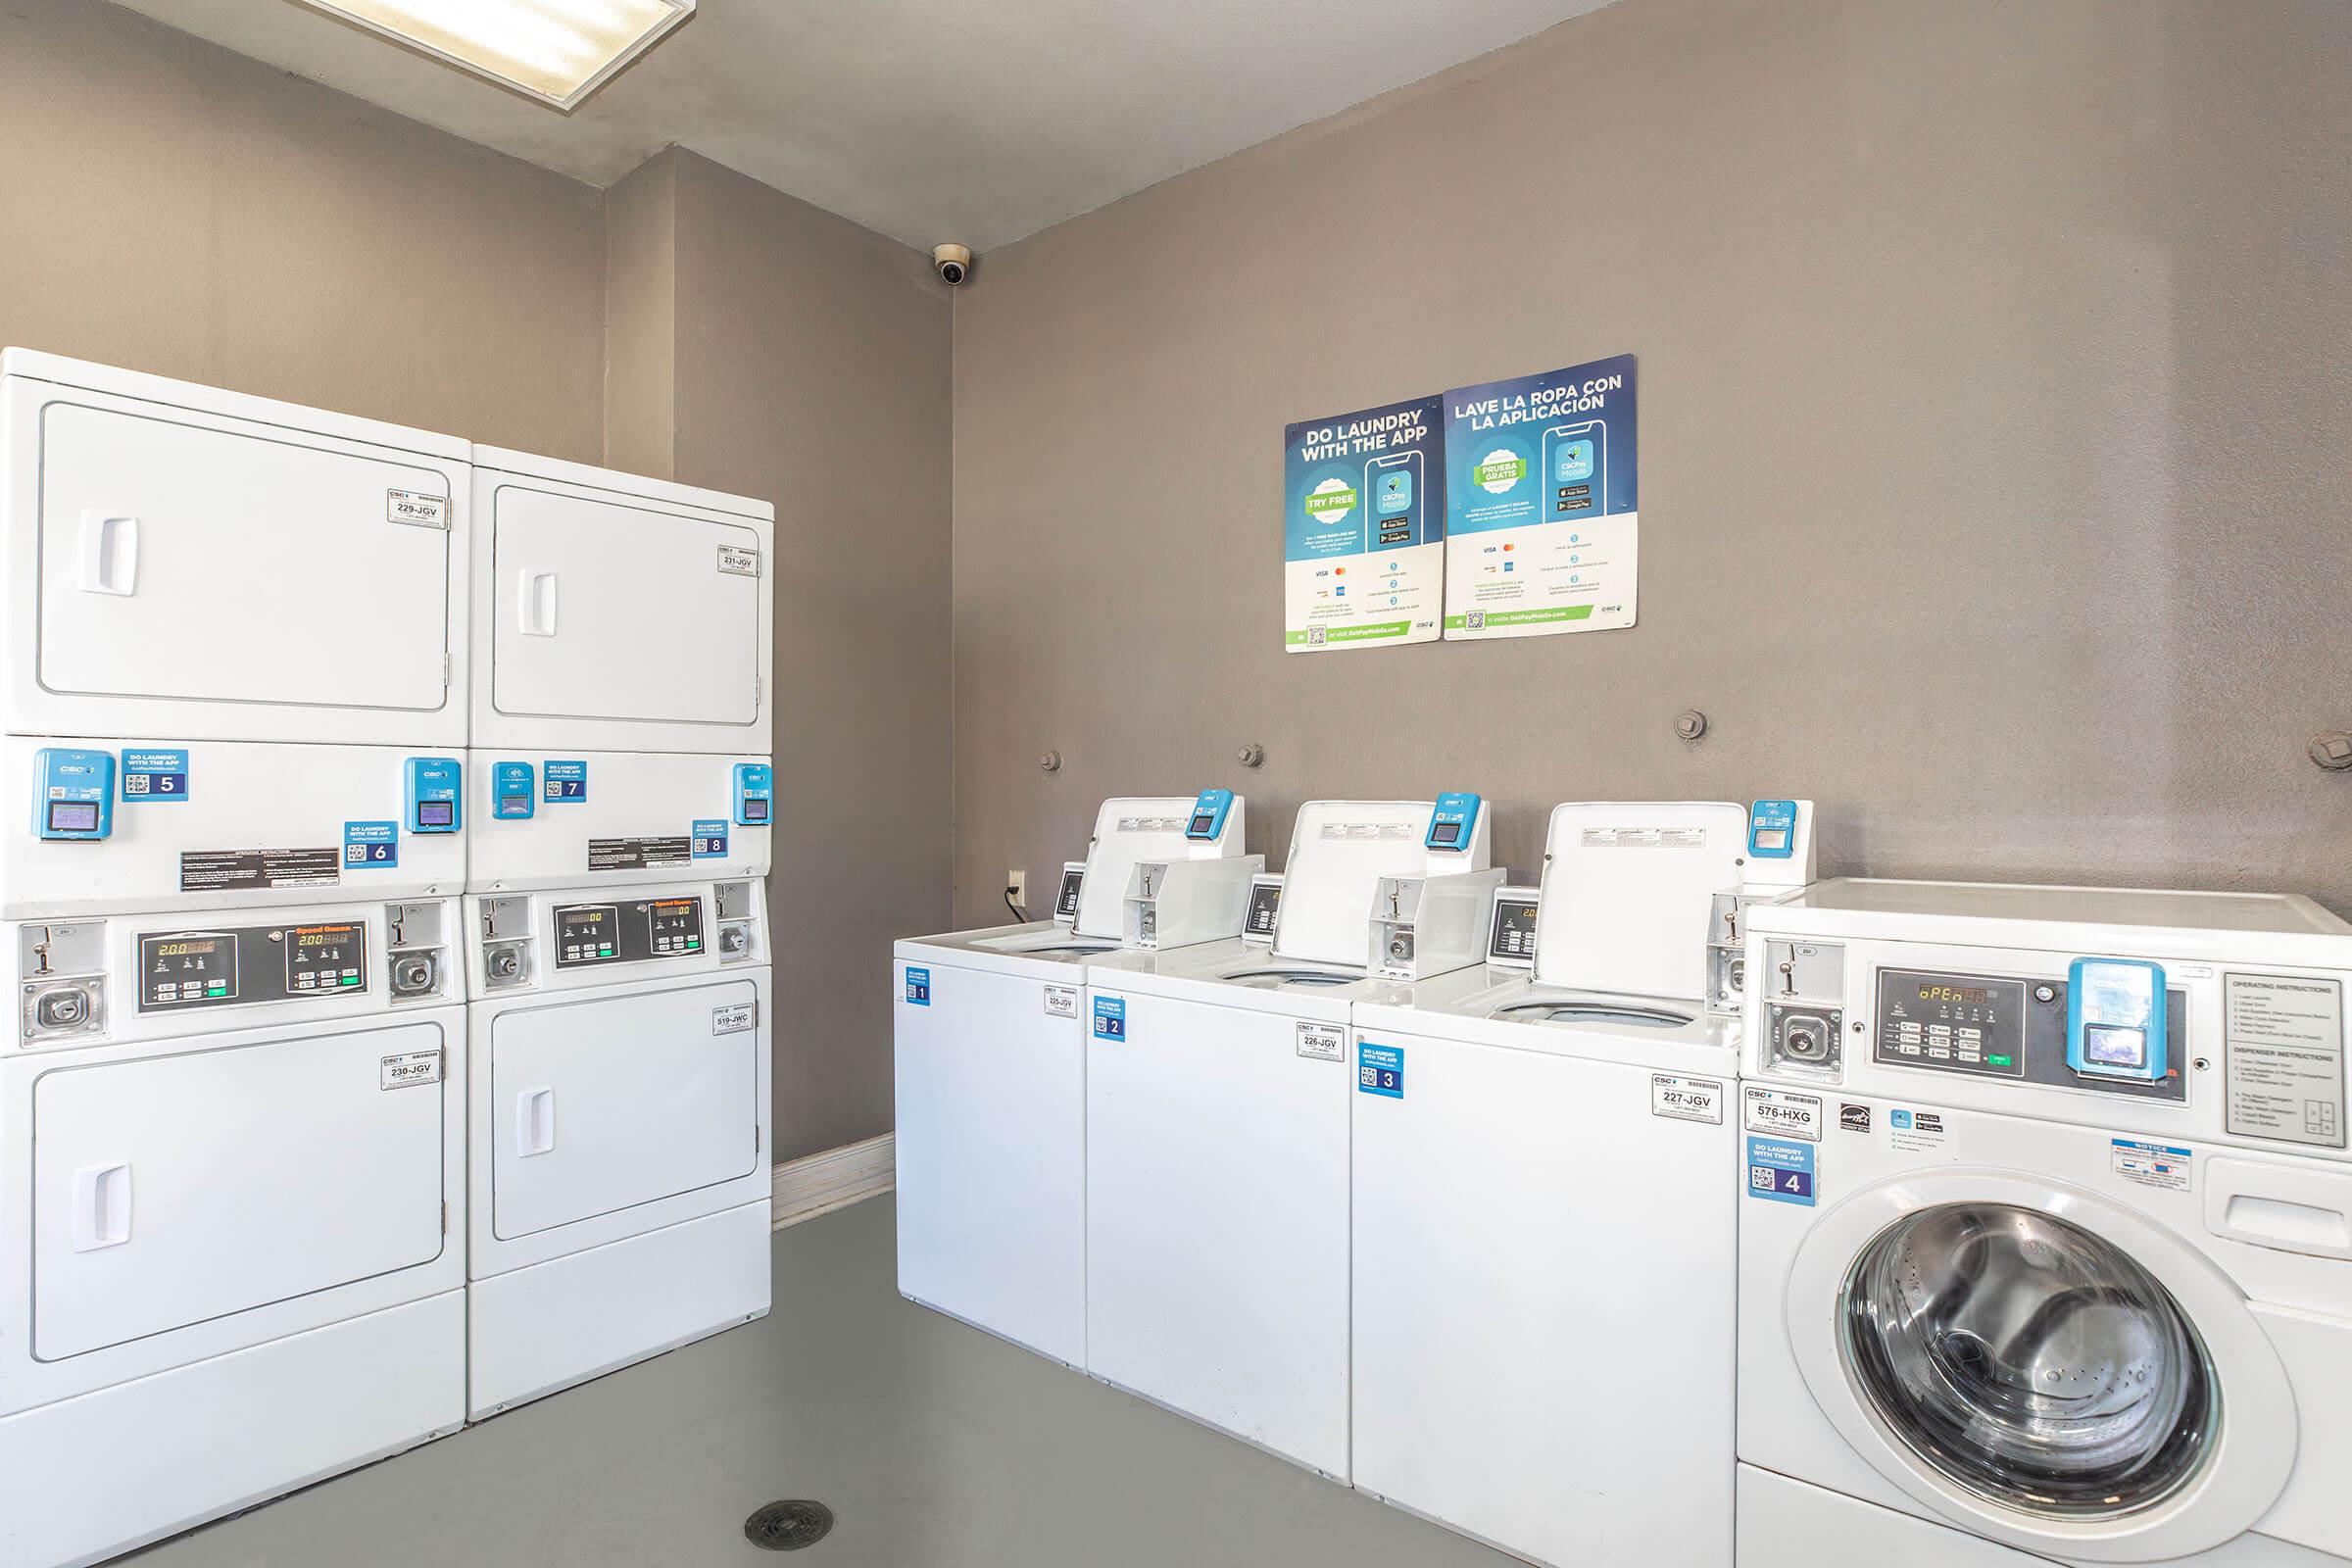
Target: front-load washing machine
[1217,1102]
[232,1169]
[619,1144]
[991,1068]
[1544,1215]
[2046,1246]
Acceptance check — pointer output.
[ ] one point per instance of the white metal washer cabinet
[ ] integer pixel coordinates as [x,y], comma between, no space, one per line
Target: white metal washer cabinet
[619,614]
[1217,1102]
[619,1190]
[2029,1307]
[991,1076]
[1543,1207]
[233,1169]
[188,561]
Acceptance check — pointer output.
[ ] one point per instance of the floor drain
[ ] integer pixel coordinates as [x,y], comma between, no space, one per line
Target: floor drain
[789,1526]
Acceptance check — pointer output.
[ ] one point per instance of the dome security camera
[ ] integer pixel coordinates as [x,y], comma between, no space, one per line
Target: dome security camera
[953,264]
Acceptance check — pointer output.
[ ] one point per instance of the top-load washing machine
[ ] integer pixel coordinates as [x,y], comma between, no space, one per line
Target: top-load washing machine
[618,613]
[2046,1253]
[991,1066]
[1217,1101]
[1544,1212]
[191,565]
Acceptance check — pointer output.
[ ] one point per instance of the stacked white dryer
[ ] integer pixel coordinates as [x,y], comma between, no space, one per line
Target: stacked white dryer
[616,931]
[231,1121]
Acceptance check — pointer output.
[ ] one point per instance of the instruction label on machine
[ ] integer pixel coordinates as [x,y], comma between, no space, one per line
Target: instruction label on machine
[1363,529]
[2165,1166]
[1776,1110]
[1685,1098]
[1542,532]
[1380,1070]
[2282,1039]
[1110,1018]
[1325,1042]
[635,854]
[226,870]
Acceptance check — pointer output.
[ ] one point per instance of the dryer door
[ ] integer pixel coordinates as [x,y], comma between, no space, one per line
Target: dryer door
[604,1103]
[640,618]
[2042,1365]
[193,1183]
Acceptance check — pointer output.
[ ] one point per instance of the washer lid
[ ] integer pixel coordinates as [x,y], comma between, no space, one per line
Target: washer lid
[1629,890]
[1128,829]
[1339,850]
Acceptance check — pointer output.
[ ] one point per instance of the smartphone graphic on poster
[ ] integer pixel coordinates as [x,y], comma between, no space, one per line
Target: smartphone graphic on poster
[1575,466]
[1394,484]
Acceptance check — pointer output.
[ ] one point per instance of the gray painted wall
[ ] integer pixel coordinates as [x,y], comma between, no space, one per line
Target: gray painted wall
[176,208]
[813,369]
[1994,397]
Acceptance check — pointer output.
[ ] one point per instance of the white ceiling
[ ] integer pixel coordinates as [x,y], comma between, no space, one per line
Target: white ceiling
[975,120]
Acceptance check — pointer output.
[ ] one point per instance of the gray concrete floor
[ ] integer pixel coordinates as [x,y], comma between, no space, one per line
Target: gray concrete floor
[936,1445]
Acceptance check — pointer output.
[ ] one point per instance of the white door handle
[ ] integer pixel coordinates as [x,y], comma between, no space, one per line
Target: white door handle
[110,554]
[101,1206]
[535,616]
[534,1122]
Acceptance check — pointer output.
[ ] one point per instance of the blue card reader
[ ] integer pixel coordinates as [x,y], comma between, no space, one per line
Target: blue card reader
[435,794]
[754,794]
[1207,822]
[1772,830]
[1451,823]
[2115,1019]
[514,792]
[74,798]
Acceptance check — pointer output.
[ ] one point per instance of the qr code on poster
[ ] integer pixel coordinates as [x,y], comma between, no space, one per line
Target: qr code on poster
[1474,620]
[1314,636]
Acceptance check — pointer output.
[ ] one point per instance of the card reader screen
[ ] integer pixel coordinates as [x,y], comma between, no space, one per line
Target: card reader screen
[515,805]
[436,814]
[754,810]
[72,816]
[2111,1046]
[1772,838]
[1446,833]
[1201,825]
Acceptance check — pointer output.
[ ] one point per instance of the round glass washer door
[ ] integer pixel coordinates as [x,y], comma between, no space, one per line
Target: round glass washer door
[2043,1366]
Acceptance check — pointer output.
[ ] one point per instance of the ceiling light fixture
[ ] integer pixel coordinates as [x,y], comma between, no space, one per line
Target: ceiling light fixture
[557,51]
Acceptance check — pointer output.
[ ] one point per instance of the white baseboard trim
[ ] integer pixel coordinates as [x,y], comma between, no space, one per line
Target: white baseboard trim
[835,1178]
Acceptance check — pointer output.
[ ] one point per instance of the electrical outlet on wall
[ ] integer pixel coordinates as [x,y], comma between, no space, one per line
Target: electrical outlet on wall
[1016,887]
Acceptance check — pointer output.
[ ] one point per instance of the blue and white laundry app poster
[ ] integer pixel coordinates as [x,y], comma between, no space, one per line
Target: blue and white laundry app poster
[1363,531]
[1541,533]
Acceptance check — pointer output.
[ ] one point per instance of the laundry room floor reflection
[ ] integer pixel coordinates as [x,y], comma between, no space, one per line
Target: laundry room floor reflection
[933,1444]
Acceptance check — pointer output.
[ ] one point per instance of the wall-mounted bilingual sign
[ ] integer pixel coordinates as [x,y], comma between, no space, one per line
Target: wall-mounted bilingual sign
[1364,529]
[1542,534]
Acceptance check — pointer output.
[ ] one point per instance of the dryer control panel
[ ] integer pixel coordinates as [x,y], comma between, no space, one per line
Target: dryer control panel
[528,940]
[627,931]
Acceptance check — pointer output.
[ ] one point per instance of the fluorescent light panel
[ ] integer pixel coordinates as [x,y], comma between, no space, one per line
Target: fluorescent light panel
[557,51]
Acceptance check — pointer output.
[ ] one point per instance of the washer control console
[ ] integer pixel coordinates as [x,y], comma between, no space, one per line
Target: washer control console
[2001,1026]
